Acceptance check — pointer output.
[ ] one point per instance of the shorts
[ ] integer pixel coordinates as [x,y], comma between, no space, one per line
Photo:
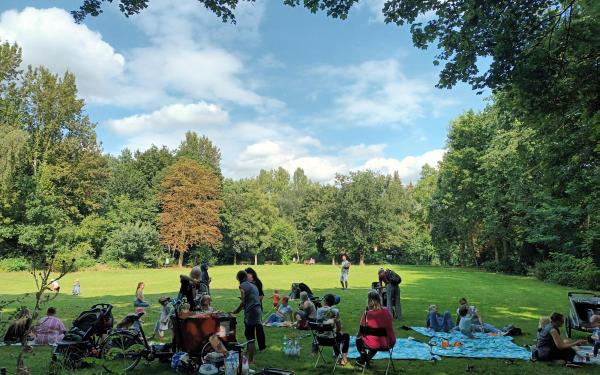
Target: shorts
[344,277]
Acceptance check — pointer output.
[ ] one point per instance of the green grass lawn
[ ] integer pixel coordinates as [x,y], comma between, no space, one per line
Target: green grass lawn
[501,300]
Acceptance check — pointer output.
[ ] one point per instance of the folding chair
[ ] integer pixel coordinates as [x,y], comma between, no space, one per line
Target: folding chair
[378,332]
[324,335]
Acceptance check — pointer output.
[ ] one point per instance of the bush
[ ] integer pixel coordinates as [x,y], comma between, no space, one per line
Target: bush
[14,264]
[134,243]
[82,253]
[568,270]
[512,265]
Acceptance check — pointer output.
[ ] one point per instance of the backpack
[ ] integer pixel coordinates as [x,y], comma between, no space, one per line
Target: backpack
[393,277]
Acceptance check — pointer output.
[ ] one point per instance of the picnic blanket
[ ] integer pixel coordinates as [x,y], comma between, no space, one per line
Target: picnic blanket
[482,346]
[404,349]
[588,351]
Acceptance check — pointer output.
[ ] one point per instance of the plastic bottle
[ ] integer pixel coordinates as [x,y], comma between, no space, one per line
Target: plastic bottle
[296,347]
[285,345]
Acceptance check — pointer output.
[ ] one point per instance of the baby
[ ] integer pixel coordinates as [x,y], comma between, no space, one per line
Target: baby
[276,298]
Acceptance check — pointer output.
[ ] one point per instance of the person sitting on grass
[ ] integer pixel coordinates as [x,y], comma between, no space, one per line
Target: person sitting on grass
[478,324]
[49,329]
[19,330]
[438,322]
[551,347]
[329,314]
[465,324]
[376,317]
[307,312]
[139,296]
[282,315]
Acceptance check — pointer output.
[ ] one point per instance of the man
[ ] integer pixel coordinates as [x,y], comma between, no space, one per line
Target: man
[392,290]
[250,303]
[344,273]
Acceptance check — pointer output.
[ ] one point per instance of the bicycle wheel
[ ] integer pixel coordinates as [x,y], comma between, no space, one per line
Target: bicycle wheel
[121,351]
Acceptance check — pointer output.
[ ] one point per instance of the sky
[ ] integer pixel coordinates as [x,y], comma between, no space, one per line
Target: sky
[281,87]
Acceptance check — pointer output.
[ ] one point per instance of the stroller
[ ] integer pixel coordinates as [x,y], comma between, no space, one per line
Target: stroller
[85,336]
[582,306]
[298,288]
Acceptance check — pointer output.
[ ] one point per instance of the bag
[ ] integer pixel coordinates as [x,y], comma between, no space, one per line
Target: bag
[393,277]
[511,330]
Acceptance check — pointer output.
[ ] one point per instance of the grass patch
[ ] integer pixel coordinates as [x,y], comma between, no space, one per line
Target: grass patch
[501,299]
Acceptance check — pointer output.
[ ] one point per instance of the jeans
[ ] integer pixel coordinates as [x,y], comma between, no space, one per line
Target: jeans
[273,318]
[440,323]
[140,303]
[485,328]
[255,331]
[393,300]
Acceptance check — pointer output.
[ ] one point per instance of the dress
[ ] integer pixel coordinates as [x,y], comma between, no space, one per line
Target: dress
[344,271]
[49,331]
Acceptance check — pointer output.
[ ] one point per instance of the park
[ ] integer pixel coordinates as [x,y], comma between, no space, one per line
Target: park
[442,156]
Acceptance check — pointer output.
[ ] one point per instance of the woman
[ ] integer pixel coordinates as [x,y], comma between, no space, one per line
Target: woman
[280,317]
[250,303]
[329,314]
[477,320]
[551,347]
[50,329]
[376,316]
[253,278]
[307,312]
[139,296]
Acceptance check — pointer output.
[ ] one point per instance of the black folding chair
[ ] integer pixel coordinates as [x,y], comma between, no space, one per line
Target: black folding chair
[378,332]
[323,336]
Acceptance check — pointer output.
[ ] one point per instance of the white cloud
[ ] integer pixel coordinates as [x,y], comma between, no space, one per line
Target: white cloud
[376,93]
[49,37]
[364,151]
[409,168]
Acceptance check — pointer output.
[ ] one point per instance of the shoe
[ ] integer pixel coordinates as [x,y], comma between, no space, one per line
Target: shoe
[359,364]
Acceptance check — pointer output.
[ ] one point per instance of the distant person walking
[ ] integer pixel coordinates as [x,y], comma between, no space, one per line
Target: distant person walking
[344,272]
[392,291]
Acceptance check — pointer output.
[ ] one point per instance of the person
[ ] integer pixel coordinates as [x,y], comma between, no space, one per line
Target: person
[49,329]
[329,314]
[595,322]
[18,331]
[438,322]
[478,324]
[282,315]
[551,347]
[205,302]
[391,281]
[307,312]
[253,278]
[250,303]
[344,272]
[55,286]
[189,287]
[76,288]
[164,319]
[205,276]
[139,296]
[276,297]
[465,324]
[375,317]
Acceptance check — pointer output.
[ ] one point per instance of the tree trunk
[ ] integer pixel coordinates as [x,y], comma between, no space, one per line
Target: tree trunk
[461,253]
[473,250]
[234,258]
[333,261]
[256,259]
[180,260]
[496,255]
[504,249]
[362,259]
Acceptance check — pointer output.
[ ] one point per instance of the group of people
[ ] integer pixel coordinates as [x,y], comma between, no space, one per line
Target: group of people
[468,320]
[48,330]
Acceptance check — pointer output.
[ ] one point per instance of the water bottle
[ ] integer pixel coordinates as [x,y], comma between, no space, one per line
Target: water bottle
[285,345]
[296,347]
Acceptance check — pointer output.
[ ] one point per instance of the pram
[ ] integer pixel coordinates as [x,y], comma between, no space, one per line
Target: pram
[84,337]
[581,308]
[298,288]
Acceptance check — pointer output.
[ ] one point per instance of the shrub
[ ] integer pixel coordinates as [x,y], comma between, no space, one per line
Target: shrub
[82,253]
[14,264]
[566,269]
[511,265]
[134,243]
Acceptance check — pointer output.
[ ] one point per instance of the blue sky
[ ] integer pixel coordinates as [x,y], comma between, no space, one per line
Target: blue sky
[282,87]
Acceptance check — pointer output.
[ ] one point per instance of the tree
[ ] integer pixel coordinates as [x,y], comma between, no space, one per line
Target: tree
[284,240]
[190,199]
[202,150]
[134,243]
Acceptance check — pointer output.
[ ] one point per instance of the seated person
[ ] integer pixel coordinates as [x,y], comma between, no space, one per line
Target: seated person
[49,329]
[18,331]
[376,317]
[205,306]
[465,324]
[478,324]
[283,313]
[595,322]
[307,312]
[438,322]
[330,315]
[551,347]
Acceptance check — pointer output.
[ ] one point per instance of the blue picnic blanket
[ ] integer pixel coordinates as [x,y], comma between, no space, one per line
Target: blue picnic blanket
[404,349]
[482,346]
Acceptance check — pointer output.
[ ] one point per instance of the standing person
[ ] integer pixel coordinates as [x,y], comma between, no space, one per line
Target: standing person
[250,303]
[551,347]
[392,290]
[205,276]
[253,278]
[76,288]
[162,324]
[139,296]
[344,272]
[49,329]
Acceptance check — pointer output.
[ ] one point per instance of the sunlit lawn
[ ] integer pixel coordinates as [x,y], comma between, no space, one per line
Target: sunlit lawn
[501,300]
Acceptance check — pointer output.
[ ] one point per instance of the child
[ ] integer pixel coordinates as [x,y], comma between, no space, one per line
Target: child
[466,321]
[76,288]
[162,324]
[595,320]
[205,306]
[276,298]
[282,315]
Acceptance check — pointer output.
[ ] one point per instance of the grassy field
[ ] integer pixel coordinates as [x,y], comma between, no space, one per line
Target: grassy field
[501,300]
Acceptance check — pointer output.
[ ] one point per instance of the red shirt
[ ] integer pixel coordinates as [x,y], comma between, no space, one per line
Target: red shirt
[379,318]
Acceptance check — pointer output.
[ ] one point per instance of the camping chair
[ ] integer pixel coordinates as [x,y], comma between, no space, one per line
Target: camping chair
[378,332]
[324,335]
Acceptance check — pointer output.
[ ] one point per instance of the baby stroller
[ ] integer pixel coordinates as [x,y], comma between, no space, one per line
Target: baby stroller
[582,306]
[84,337]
